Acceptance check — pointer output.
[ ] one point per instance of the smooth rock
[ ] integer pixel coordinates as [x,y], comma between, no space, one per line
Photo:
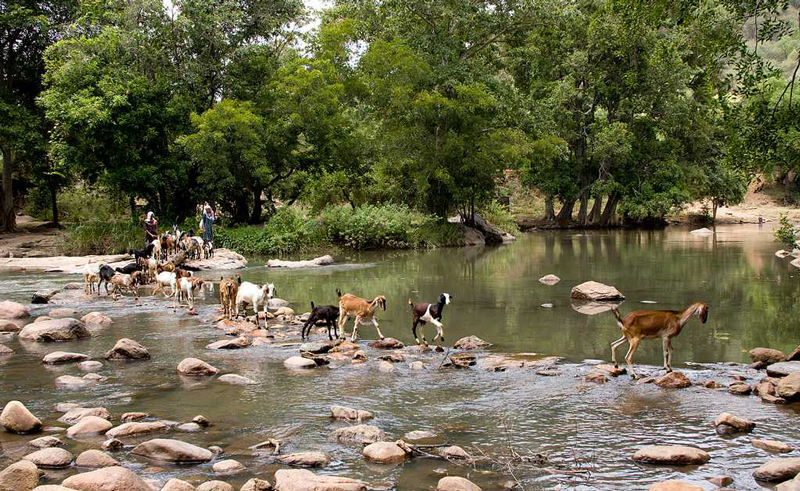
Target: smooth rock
[671,454]
[8,326]
[107,479]
[95,459]
[789,386]
[112,445]
[783,368]
[304,480]
[19,476]
[454,452]
[316,347]
[384,452]
[168,450]
[255,484]
[96,319]
[386,367]
[127,349]
[284,311]
[592,290]
[58,357]
[63,313]
[89,425]
[362,434]
[195,367]
[674,485]
[71,382]
[126,430]
[52,458]
[611,369]
[416,365]
[54,330]
[702,232]
[350,414]
[53,487]
[777,470]
[387,343]
[90,366]
[189,428]
[238,343]
[16,418]
[791,485]
[595,377]
[41,318]
[234,379]
[417,435]
[455,483]
[13,310]
[771,445]
[46,442]
[549,279]
[737,423]
[5,350]
[215,486]
[201,420]
[740,389]
[721,481]
[65,407]
[298,363]
[766,356]
[673,380]
[228,467]
[134,416]
[74,415]
[304,459]
[43,296]
[177,485]
[471,342]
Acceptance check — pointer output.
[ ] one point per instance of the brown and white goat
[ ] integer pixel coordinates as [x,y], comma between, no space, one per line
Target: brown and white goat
[89,279]
[227,296]
[187,286]
[362,310]
[650,324]
[121,281]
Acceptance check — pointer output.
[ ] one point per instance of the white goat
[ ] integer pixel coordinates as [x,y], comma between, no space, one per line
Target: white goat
[156,249]
[254,295]
[165,278]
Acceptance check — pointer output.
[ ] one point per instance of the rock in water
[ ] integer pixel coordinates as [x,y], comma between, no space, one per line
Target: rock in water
[13,310]
[702,232]
[384,452]
[349,414]
[135,429]
[671,454]
[740,389]
[215,486]
[255,484]
[20,476]
[735,422]
[454,452]
[549,279]
[361,434]
[127,349]
[673,380]
[783,368]
[228,467]
[43,296]
[63,313]
[95,459]
[766,356]
[454,483]
[387,343]
[177,485]
[195,367]
[50,458]
[238,343]
[96,319]
[172,451]
[789,386]
[58,357]
[303,480]
[46,442]
[54,330]
[107,479]
[89,425]
[673,485]
[471,342]
[777,470]
[299,363]
[317,347]
[418,435]
[16,418]
[592,290]
[771,445]
[233,379]
[305,459]
[74,415]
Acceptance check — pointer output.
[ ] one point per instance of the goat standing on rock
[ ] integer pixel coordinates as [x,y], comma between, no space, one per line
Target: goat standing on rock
[254,295]
[362,310]
[423,313]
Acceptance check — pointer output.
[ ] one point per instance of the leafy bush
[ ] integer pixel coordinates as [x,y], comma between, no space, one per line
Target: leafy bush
[786,233]
[103,237]
[75,204]
[288,231]
[502,218]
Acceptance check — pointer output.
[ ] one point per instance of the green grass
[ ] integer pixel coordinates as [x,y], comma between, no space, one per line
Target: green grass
[103,237]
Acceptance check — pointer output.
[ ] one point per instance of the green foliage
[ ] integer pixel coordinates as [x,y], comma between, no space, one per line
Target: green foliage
[103,237]
[78,204]
[786,233]
[496,214]
[287,231]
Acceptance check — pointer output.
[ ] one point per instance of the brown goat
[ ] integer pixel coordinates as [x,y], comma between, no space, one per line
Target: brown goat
[227,296]
[128,282]
[362,310]
[650,324]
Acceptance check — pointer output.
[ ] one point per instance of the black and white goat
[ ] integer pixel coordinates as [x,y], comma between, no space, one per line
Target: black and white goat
[142,253]
[422,313]
[105,274]
[129,268]
[327,313]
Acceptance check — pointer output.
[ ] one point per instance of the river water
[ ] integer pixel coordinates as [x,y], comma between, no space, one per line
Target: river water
[590,431]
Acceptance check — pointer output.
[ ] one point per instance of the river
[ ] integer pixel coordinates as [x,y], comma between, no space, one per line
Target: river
[496,296]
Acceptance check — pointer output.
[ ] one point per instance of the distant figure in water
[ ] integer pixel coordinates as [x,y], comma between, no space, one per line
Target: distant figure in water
[760,221]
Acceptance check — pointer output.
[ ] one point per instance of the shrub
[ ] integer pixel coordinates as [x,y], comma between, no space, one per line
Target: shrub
[502,218]
[288,231]
[103,237]
[786,233]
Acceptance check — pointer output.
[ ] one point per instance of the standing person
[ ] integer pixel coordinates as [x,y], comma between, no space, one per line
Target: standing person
[150,228]
[207,223]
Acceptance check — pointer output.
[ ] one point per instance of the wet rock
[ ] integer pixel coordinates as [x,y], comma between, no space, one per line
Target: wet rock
[58,357]
[416,365]
[217,451]
[549,279]
[740,389]
[234,379]
[53,487]
[303,480]
[794,355]
[299,363]
[177,485]
[454,452]
[195,367]
[54,330]
[129,417]
[771,445]
[674,485]
[71,382]
[418,435]
[127,349]
[20,476]
[201,420]
[8,326]
[76,414]
[671,454]
[13,310]
[50,458]
[673,380]
[89,425]
[96,319]
[766,356]
[304,459]
[359,356]
[455,483]
[393,357]
[215,486]
[789,386]
[284,311]
[721,481]
[255,484]
[5,350]
[168,450]
[777,470]
[611,369]
[127,430]
[228,467]
[46,442]
[595,377]
[43,296]
[189,428]
[387,343]
[112,445]
[783,368]
[41,318]
[471,342]
[793,485]
[386,367]
[345,346]
[772,399]
[16,418]
[702,232]
[741,425]
[65,407]
[592,290]
[350,414]
[384,452]
[107,479]
[63,313]
[95,459]
[90,366]
[463,360]
[362,434]
[238,343]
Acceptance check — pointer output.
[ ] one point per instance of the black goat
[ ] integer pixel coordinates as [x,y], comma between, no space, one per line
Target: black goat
[142,253]
[422,313]
[105,275]
[327,313]
[129,268]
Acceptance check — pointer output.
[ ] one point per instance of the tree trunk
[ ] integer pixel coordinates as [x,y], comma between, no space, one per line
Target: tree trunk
[597,210]
[54,203]
[583,211]
[549,209]
[714,212]
[255,217]
[611,208]
[7,217]
[565,215]
[240,209]
[132,204]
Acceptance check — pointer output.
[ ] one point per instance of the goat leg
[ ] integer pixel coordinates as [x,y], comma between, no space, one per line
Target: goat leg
[616,344]
[378,328]
[634,344]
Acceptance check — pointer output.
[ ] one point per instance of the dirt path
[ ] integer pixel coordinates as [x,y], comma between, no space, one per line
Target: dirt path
[755,204]
[33,239]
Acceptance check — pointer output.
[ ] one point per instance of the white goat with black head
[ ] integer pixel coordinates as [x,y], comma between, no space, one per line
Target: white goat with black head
[422,313]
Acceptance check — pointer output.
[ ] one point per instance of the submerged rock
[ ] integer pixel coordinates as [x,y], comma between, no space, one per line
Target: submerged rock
[384,452]
[54,330]
[96,319]
[76,414]
[454,452]
[592,290]
[5,350]
[196,367]
[168,450]
[46,442]
[304,480]
[418,435]
[127,349]
[350,414]
[16,418]
[238,343]
[9,326]
[107,479]
[740,389]
[20,476]
[471,342]
[134,416]
[90,366]
[549,279]
[63,313]
[455,483]
[362,434]
[304,459]
[595,377]
[671,454]
[126,430]
[234,379]
[673,380]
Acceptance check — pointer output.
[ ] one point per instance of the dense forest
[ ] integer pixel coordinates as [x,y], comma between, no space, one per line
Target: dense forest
[610,109]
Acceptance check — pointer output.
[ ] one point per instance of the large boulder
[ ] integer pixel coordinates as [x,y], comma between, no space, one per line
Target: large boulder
[592,290]
[305,459]
[54,330]
[455,483]
[107,479]
[734,422]
[13,310]
[135,429]
[16,418]
[195,367]
[674,485]
[471,342]
[95,459]
[50,458]
[789,386]
[20,476]
[783,368]
[304,480]
[766,356]
[384,452]
[299,363]
[89,425]
[777,470]
[350,414]
[238,343]
[672,455]
[673,380]
[361,434]
[177,485]
[58,357]
[74,415]
[234,379]
[127,349]
[96,319]
[168,450]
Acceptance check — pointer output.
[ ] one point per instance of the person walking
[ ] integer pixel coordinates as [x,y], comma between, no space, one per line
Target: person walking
[150,229]
[207,223]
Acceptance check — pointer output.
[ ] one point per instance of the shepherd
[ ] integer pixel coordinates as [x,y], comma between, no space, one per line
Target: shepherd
[150,229]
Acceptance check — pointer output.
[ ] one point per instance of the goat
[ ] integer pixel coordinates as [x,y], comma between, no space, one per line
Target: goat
[187,286]
[104,276]
[142,253]
[152,269]
[156,252]
[362,310]
[208,249]
[327,313]
[423,313]
[227,296]
[252,294]
[126,281]
[129,268]
[649,324]
[165,278]
[89,280]
[168,243]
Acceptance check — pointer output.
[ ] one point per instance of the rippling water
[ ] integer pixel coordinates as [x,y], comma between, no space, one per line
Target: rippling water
[753,299]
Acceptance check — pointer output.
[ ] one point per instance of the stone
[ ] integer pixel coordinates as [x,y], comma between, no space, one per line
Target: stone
[195,367]
[89,425]
[298,363]
[789,386]
[592,290]
[740,389]
[107,479]
[129,417]
[54,330]
[350,414]
[58,357]
[783,368]
[126,430]
[76,414]
[238,343]
[471,342]
[455,483]
[177,485]
[46,442]
[112,445]
[674,485]
[95,459]
[127,349]
[50,458]
[673,380]
[792,485]
[720,481]
[766,356]
[671,454]
[20,476]
[777,470]
[782,254]
[416,365]
[384,453]
[739,424]
[201,420]
[13,310]
[276,303]
[702,232]
[793,356]
[549,279]
[284,311]
[215,486]
[595,377]
[304,480]
[7,326]
[71,382]
[255,484]
[63,313]
[362,434]
[234,379]
[304,459]
[386,367]
[5,350]
[96,319]
[611,369]
[316,347]
[228,467]
[454,452]
[43,296]
[417,435]
[189,428]
[90,366]
[53,487]
[168,450]
[771,445]
[387,343]
[16,418]
[65,407]
[359,356]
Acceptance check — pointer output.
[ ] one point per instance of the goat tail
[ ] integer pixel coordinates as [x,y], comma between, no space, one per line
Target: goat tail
[312,305]
[617,315]
[411,304]
[239,279]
